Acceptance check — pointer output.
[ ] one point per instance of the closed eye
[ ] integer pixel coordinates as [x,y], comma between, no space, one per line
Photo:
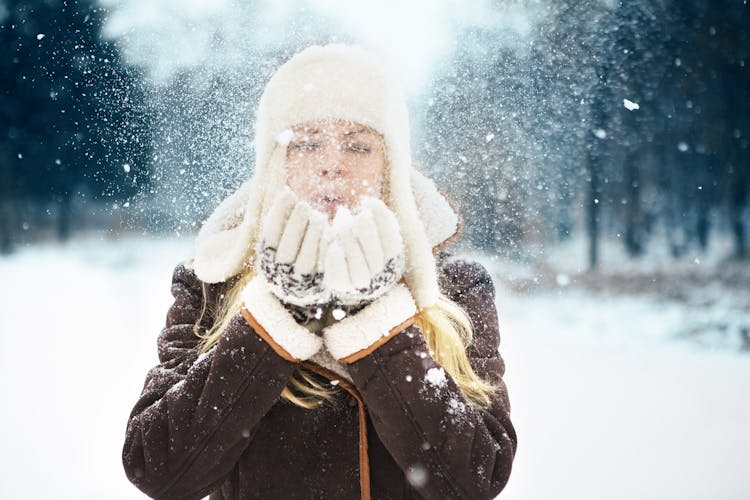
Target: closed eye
[304,146]
[359,148]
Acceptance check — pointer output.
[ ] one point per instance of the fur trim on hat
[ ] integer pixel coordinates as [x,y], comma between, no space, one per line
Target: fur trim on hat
[333,81]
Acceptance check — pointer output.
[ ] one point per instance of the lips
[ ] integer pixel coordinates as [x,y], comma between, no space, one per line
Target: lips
[331,200]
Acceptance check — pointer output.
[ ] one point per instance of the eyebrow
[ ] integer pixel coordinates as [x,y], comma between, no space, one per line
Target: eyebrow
[363,130]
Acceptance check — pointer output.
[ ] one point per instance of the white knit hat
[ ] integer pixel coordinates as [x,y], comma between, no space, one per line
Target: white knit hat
[343,82]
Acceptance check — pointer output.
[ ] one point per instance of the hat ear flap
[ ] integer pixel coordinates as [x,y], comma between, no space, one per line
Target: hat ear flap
[222,244]
[227,239]
[441,219]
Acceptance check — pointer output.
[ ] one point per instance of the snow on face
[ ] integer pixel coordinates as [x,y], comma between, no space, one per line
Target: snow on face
[332,163]
[284,137]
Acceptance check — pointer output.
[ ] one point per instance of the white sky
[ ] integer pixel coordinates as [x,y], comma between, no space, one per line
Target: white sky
[167,35]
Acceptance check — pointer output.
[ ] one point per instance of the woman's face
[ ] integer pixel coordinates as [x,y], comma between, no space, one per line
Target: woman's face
[334,162]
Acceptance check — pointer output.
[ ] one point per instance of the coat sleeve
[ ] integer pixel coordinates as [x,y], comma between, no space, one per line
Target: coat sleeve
[447,447]
[196,414]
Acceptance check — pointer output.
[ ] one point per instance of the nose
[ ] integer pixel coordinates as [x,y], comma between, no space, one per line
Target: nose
[332,172]
[333,162]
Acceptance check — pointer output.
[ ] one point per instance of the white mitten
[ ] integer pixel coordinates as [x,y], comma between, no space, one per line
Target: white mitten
[365,253]
[290,250]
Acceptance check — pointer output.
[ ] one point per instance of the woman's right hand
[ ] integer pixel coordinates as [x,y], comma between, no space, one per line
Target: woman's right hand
[290,250]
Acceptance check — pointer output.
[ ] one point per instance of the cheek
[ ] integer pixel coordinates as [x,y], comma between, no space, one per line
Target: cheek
[298,177]
[372,178]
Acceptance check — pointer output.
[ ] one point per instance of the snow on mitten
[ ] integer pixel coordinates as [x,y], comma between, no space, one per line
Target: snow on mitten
[289,250]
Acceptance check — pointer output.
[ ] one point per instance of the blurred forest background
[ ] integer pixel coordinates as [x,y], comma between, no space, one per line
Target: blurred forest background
[598,152]
[618,120]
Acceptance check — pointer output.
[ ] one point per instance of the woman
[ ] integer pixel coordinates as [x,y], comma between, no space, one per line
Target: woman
[322,342]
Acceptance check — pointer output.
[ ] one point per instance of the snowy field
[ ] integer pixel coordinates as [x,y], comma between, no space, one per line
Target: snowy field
[607,402]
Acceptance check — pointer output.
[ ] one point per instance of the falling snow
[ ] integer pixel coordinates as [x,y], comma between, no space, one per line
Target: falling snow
[630,105]
[533,176]
[417,475]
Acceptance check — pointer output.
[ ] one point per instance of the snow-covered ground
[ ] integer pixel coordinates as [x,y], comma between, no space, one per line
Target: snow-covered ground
[607,402]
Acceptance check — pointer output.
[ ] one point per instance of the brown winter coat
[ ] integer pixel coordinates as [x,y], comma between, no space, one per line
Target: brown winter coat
[215,424]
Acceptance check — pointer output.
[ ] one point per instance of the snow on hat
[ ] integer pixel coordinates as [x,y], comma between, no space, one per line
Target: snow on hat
[323,82]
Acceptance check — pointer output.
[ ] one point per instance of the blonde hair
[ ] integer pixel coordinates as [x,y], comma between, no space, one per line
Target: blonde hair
[446,327]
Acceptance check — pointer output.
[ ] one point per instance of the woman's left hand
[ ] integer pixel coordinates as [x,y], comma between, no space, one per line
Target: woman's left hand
[365,253]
